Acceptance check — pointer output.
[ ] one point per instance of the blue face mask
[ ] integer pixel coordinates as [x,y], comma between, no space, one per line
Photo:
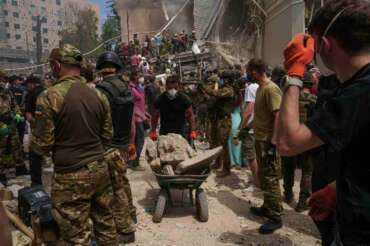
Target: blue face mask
[221,82]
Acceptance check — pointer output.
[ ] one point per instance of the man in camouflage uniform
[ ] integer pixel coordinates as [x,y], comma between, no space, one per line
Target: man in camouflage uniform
[11,154]
[73,122]
[289,164]
[122,145]
[222,97]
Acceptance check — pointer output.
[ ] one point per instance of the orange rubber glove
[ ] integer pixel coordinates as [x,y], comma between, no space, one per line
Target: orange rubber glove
[131,149]
[298,54]
[193,135]
[153,135]
[322,203]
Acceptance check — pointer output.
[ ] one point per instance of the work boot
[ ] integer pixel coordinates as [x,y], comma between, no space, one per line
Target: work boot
[302,205]
[288,197]
[270,226]
[259,211]
[134,165]
[134,218]
[127,238]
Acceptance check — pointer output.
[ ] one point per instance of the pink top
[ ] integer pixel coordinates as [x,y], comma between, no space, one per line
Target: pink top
[139,102]
[135,60]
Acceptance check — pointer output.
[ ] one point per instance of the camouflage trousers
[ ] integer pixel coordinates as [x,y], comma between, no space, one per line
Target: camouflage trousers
[219,134]
[11,153]
[269,174]
[82,195]
[123,209]
[289,165]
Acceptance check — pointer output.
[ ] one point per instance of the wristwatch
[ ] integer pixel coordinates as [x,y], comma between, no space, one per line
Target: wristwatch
[290,81]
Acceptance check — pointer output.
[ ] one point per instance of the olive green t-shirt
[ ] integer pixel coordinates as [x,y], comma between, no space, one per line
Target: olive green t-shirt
[268,100]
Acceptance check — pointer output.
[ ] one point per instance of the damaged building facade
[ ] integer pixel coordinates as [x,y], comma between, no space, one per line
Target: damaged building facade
[238,29]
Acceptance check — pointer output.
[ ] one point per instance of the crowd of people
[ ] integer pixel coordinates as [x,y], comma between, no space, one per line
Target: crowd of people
[311,114]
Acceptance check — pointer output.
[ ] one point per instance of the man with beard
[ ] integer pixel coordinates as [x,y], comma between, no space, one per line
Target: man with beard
[266,110]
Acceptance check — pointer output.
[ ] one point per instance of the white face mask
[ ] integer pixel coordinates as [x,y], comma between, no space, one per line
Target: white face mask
[324,70]
[171,93]
[141,80]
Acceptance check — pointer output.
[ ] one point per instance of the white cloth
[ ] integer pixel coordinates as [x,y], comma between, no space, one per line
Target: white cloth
[250,96]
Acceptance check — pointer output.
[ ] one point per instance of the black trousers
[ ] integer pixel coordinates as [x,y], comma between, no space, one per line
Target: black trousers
[139,140]
[35,168]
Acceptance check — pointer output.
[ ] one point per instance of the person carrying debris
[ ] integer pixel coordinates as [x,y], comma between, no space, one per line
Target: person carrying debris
[73,123]
[122,145]
[174,108]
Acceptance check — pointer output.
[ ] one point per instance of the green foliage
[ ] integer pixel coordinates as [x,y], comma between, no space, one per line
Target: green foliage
[81,28]
[111,28]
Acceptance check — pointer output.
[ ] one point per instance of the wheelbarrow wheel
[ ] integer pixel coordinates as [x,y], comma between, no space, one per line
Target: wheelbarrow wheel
[160,207]
[202,205]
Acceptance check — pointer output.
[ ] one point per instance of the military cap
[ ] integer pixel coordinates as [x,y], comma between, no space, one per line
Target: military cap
[68,54]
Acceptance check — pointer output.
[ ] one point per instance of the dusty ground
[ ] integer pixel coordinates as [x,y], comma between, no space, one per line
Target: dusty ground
[230,222]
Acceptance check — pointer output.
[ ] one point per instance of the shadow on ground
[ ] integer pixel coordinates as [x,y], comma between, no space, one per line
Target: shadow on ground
[179,206]
[291,219]
[252,237]
[233,181]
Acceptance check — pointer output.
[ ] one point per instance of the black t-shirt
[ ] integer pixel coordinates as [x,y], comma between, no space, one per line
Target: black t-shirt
[31,98]
[343,124]
[172,112]
[325,162]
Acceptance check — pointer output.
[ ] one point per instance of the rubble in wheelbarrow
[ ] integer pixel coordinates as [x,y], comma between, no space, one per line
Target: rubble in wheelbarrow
[172,155]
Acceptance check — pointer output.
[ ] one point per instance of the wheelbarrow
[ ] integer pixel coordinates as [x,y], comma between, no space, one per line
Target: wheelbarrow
[190,183]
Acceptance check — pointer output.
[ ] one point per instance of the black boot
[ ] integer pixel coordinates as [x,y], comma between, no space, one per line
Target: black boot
[270,226]
[288,197]
[259,211]
[127,238]
[302,205]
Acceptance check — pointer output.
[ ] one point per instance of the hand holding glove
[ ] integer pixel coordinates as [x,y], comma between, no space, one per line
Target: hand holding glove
[131,149]
[298,54]
[153,135]
[322,203]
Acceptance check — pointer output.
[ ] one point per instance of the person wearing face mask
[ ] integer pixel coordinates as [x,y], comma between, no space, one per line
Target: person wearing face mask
[342,124]
[173,108]
[73,124]
[142,118]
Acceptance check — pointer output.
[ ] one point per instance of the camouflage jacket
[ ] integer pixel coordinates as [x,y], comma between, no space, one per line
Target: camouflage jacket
[47,115]
[306,104]
[222,100]
[8,106]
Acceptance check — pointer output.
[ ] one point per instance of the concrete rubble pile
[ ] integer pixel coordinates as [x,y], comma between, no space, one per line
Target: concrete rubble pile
[172,155]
